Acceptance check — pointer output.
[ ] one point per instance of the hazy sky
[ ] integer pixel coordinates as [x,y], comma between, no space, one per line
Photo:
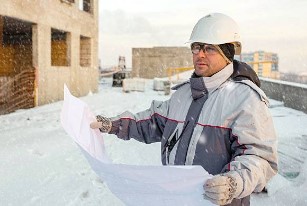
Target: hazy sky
[278,26]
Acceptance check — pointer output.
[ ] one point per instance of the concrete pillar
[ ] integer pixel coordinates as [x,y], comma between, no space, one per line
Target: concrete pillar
[41,38]
[75,63]
[77,2]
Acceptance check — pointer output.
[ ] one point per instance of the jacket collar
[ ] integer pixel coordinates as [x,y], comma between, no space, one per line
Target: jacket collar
[204,85]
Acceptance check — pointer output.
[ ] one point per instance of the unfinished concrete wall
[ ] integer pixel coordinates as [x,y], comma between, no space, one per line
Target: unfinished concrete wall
[293,95]
[153,62]
[56,14]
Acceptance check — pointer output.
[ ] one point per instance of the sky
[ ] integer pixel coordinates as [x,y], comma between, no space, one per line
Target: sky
[277,26]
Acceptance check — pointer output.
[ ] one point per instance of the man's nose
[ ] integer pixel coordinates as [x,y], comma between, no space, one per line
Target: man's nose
[201,53]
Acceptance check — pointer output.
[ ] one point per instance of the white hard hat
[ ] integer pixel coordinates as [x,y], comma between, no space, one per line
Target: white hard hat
[217,28]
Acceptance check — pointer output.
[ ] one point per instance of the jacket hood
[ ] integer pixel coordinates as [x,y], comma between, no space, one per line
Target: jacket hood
[242,71]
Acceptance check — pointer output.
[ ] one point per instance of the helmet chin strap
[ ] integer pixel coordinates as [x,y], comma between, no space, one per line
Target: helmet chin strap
[223,55]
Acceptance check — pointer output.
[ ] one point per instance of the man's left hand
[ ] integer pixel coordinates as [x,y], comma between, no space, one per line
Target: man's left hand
[222,189]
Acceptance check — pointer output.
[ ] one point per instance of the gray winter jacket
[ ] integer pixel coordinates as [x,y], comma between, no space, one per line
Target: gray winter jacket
[216,122]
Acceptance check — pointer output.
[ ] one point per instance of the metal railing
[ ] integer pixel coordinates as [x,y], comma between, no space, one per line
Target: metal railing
[176,71]
[17,92]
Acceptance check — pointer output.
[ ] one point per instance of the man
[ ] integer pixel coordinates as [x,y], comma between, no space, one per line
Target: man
[219,119]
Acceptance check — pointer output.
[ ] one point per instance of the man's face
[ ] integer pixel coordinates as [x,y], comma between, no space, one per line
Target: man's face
[206,59]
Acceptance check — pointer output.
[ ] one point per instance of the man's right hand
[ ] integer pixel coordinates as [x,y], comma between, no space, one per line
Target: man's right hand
[104,124]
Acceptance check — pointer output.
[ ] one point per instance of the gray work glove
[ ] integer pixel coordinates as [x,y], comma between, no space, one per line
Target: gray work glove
[222,189]
[104,124]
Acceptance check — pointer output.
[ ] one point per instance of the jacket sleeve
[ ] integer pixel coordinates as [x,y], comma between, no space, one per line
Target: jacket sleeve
[146,126]
[254,145]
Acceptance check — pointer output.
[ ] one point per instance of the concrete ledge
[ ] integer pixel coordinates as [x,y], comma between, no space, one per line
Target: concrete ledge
[135,84]
[294,95]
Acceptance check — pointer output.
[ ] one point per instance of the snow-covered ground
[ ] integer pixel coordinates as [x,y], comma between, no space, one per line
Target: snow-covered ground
[41,165]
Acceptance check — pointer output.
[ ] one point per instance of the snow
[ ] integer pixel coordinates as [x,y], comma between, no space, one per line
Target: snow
[41,165]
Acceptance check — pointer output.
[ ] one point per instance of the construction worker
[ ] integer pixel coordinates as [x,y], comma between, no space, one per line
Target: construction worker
[218,119]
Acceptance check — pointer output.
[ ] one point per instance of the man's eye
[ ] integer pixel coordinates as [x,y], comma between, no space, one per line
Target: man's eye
[209,48]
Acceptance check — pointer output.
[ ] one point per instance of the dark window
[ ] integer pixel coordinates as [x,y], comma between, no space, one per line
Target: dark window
[85,51]
[59,48]
[68,1]
[86,5]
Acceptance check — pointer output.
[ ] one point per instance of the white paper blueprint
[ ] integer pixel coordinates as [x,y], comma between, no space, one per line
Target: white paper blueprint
[133,185]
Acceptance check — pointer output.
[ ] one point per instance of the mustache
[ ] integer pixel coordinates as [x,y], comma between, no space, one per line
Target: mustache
[201,62]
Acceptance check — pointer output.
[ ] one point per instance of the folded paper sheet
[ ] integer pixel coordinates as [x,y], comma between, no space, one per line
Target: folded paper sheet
[133,185]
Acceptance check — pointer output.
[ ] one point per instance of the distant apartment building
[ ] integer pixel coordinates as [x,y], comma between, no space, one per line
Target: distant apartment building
[264,63]
[44,44]
[157,61]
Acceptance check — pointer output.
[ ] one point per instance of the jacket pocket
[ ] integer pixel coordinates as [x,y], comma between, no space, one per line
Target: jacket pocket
[171,142]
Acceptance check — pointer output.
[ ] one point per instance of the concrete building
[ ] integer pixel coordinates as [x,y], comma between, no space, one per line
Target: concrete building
[154,62]
[264,63]
[44,44]
[293,77]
